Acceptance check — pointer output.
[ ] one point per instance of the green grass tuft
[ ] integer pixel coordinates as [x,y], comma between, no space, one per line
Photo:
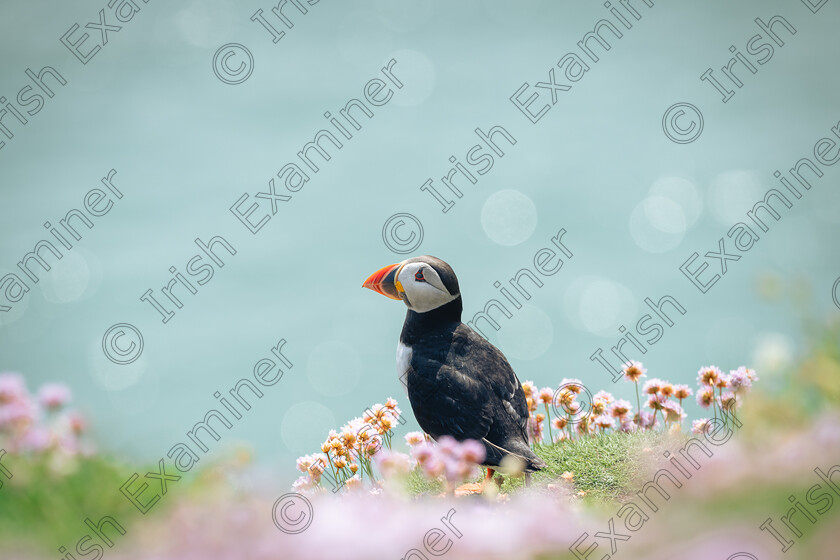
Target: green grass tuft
[40,509]
[419,485]
[606,466]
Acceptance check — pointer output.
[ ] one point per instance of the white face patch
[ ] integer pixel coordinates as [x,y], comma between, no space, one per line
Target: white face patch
[423,288]
[403,363]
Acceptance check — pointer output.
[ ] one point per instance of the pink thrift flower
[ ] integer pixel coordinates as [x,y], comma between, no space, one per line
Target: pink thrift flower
[76,422]
[705,397]
[17,415]
[728,401]
[422,452]
[573,385]
[529,389]
[682,391]
[709,375]
[448,446]
[604,396]
[699,426]
[37,439]
[535,430]
[740,380]
[304,463]
[627,425]
[546,395]
[722,382]
[473,451]
[653,386]
[647,420]
[433,467]
[392,464]
[620,408]
[12,387]
[454,470]
[414,438]
[53,395]
[633,370]
[302,484]
[673,412]
[354,483]
[603,421]
[657,401]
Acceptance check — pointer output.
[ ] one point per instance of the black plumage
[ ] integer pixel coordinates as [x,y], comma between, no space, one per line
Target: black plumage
[459,384]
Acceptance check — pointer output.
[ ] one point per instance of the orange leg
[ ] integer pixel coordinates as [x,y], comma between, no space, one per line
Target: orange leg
[489,478]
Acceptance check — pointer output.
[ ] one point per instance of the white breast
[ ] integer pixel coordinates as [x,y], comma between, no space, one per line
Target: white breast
[403,363]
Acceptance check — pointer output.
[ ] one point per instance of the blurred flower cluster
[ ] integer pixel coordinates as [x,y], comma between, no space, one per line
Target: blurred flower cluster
[347,456]
[454,461]
[39,424]
[717,513]
[362,450]
[722,392]
[359,527]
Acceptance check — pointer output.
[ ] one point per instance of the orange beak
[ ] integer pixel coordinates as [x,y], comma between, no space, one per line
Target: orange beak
[384,281]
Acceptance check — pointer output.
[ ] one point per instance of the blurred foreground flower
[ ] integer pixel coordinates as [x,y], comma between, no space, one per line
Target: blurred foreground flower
[455,461]
[40,424]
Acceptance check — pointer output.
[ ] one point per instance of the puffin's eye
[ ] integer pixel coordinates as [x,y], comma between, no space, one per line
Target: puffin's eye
[418,276]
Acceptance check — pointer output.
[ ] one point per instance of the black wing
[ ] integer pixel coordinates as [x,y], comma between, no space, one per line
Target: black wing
[467,389]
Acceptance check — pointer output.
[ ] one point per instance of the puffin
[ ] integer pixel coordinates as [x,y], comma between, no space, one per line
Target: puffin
[458,383]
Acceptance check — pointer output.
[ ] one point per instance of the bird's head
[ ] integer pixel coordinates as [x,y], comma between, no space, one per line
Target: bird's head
[423,283]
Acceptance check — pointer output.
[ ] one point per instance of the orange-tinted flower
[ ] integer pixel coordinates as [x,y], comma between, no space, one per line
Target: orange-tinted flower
[708,375]
[682,391]
[633,370]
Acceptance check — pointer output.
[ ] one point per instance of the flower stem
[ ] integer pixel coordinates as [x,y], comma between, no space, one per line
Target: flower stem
[548,417]
[638,402]
[714,403]
[680,414]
